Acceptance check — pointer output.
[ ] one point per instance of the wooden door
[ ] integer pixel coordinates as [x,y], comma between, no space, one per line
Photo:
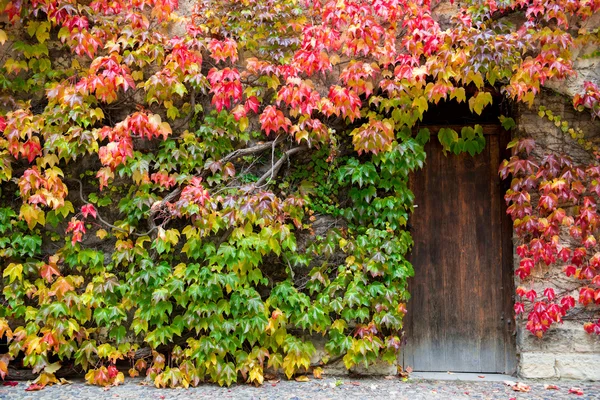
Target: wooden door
[460,314]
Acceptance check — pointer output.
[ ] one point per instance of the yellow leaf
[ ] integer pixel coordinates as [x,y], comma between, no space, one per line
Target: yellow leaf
[243,123]
[89,376]
[165,129]
[179,270]
[141,240]
[477,103]
[172,236]
[3,37]
[5,329]
[302,378]
[420,103]
[52,368]
[13,271]
[137,75]
[339,325]
[33,215]
[155,119]
[41,33]
[458,94]
[172,112]
[120,378]
[256,375]
[318,372]
[45,379]
[98,113]
[101,234]
[48,159]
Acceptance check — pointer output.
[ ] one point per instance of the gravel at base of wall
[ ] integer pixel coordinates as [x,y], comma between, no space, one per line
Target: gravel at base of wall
[327,388]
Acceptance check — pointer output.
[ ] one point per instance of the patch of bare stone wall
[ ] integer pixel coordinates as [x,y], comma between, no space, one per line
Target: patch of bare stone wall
[566,351]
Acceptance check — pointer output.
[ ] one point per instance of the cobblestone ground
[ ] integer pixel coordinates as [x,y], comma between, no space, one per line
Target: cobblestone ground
[327,388]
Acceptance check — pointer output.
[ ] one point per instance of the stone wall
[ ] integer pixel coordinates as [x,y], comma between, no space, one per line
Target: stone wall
[566,351]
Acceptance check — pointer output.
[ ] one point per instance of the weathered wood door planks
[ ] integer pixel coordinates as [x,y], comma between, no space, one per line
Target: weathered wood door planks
[460,314]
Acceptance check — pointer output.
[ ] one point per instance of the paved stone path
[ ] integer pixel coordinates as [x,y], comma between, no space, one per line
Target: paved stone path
[328,388]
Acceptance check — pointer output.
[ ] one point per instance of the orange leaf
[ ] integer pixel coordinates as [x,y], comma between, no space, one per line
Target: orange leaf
[3,369]
[47,271]
[60,287]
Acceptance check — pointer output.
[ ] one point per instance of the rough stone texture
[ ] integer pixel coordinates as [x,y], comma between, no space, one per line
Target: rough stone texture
[540,365]
[566,338]
[578,366]
[537,365]
[566,351]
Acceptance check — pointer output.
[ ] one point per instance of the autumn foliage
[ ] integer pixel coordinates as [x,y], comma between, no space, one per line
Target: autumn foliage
[165,176]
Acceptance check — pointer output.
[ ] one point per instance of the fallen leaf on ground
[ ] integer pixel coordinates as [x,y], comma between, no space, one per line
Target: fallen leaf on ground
[34,386]
[355,383]
[10,383]
[302,378]
[521,387]
[481,376]
[318,372]
[551,387]
[389,377]
[576,391]
[409,369]
[450,373]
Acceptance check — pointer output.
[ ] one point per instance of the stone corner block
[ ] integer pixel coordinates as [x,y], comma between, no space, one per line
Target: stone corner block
[534,365]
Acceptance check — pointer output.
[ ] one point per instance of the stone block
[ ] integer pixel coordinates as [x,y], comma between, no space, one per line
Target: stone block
[578,366]
[534,365]
[379,368]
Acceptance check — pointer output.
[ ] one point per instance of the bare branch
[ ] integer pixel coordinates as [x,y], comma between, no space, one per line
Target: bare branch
[99,217]
[231,156]
[277,166]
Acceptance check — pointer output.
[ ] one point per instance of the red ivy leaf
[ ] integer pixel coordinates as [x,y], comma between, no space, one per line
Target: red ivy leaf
[88,209]
[576,391]
[273,120]
[34,387]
